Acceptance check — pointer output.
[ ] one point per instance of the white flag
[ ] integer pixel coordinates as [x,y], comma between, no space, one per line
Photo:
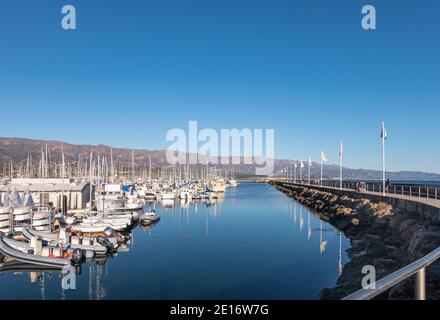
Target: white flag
[341,151]
[302,165]
[383,133]
[296,165]
[324,156]
[310,162]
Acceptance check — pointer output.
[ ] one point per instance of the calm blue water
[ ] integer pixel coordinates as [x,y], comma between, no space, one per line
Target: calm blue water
[255,243]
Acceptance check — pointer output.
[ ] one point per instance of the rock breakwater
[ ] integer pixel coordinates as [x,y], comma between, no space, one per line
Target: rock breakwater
[380,235]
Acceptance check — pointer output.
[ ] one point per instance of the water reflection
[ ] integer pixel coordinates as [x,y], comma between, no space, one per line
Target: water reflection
[323,243]
[187,247]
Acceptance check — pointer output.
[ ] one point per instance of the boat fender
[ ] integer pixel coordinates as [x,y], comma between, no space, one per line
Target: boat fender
[109,232]
[104,242]
[78,269]
[90,254]
[77,256]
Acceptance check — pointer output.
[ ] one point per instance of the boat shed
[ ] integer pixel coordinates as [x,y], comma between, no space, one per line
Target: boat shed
[46,191]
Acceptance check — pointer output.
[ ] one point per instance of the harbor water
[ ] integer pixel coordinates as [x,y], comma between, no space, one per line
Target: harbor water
[254,243]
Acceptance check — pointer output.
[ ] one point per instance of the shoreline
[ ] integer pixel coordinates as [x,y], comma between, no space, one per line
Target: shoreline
[381,235]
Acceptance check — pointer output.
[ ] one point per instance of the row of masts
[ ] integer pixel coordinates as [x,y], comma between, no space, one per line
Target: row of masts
[104,169]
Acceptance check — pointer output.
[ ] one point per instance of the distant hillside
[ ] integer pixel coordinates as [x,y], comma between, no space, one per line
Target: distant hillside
[19,150]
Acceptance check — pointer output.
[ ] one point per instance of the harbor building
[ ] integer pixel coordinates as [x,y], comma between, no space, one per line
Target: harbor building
[50,191]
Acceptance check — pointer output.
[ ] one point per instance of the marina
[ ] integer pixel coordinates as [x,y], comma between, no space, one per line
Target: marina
[211,249]
[219,159]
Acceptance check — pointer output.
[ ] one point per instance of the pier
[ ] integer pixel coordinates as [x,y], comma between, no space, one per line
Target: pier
[423,200]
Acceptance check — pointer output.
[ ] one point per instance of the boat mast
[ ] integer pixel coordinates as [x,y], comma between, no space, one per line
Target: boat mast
[149,173]
[112,168]
[132,166]
[63,174]
[91,172]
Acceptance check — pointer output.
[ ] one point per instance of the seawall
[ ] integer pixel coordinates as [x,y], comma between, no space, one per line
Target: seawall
[385,232]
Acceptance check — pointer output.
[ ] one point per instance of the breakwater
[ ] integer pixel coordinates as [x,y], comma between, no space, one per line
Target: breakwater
[385,233]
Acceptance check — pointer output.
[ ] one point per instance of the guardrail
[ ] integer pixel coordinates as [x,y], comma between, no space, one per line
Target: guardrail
[417,268]
[429,195]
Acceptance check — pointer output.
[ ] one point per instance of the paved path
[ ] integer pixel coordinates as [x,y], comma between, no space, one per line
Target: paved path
[432,202]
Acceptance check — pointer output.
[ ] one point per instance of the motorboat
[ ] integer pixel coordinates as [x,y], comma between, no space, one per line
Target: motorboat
[42,219]
[98,227]
[100,244]
[5,219]
[39,254]
[150,196]
[112,203]
[149,217]
[186,194]
[168,195]
[233,183]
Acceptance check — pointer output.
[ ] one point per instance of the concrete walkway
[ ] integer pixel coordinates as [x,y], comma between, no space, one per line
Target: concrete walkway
[431,201]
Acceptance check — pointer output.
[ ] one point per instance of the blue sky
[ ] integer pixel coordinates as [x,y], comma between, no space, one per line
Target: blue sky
[135,69]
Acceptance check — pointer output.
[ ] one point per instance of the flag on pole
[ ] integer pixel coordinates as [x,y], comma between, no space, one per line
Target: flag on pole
[324,156]
[296,165]
[341,151]
[383,133]
[310,162]
[302,165]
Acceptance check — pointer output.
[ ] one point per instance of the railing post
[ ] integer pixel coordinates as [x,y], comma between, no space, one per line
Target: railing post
[435,196]
[421,284]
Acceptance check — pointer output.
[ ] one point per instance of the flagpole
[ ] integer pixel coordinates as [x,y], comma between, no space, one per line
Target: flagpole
[295,174]
[309,170]
[322,154]
[341,155]
[383,158]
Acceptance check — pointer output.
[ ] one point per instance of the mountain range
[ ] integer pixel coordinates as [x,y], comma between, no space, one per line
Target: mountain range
[19,150]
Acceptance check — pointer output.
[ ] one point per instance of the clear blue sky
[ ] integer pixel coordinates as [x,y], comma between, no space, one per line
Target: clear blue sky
[135,69]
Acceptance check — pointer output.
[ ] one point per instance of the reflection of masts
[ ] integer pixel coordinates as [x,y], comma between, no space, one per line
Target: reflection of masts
[207,224]
[43,287]
[63,293]
[322,244]
[132,239]
[301,220]
[294,214]
[340,254]
[90,291]
[309,228]
[180,212]
[320,236]
[100,290]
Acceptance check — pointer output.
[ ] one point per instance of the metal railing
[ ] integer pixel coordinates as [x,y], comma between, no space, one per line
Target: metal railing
[427,194]
[417,268]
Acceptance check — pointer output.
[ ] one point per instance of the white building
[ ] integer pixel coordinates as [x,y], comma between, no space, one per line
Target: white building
[76,195]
